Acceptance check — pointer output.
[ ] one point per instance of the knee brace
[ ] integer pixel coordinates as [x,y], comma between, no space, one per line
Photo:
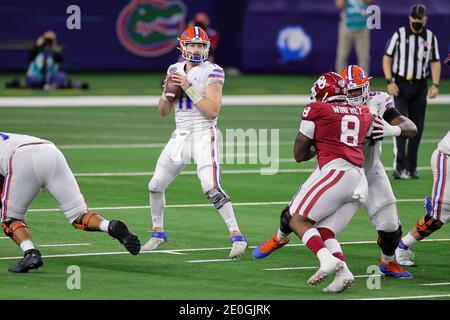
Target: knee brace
[217,197]
[285,218]
[82,221]
[11,225]
[430,226]
[388,241]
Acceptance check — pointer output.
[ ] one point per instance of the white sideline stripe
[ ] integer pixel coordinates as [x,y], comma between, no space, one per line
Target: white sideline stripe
[1,238]
[171,251]
[64,245]
[152,101]
[436,284]
[196,205]
[406,297]
[192,172]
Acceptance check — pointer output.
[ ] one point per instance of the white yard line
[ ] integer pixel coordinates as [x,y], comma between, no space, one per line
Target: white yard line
[195,205]
[367,275]
[436,284]
[112,146]
[210,260]
[64,245]
[159,145]
[192,172]
[152,101]
[175,251]
[289,268]
[407,297]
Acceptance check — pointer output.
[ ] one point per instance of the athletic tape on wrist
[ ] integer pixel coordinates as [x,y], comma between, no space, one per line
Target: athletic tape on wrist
[194,95]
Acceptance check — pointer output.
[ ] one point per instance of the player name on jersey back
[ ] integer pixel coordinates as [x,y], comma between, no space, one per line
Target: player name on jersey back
[347,110]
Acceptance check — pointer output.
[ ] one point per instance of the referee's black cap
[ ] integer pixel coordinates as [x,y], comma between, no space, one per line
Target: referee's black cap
[418,11]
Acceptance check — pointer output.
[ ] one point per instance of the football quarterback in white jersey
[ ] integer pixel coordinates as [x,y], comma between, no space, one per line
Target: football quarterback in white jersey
[381,202]
[196,137]
[437,207]
[28,164]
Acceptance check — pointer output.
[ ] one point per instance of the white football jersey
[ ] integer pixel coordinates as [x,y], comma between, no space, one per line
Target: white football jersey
[378,103]
[8,144]
[187,116]
[444,144]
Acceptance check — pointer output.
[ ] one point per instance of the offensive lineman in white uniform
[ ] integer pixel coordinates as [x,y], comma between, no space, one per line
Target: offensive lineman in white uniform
[437,208]
[381,203]
[195,138]
[28,164]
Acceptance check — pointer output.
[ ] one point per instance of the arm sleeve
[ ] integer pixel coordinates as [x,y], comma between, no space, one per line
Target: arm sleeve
[215,74]
[307,127]
[390,114]
[391,45]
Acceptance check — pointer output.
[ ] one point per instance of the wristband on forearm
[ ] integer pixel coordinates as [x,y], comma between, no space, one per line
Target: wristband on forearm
[194,95]
[163,97]
[395,131]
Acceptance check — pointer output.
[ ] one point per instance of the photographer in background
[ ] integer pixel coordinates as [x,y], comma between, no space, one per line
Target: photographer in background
[45,56]
[43,71]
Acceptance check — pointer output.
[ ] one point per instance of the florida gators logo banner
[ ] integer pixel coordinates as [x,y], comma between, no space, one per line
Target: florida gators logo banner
[149,28]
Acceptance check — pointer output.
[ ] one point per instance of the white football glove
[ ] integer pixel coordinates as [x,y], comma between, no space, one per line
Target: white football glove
[383,129]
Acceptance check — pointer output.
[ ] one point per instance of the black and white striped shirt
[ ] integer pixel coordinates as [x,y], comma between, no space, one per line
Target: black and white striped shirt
[412,53]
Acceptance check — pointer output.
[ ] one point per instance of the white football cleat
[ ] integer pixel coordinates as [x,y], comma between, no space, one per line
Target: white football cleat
[343,280]
[404,257]
[328,268]
[239,244]
[157,239]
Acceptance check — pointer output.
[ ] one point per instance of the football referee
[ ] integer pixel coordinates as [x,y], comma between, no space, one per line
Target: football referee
[406,60]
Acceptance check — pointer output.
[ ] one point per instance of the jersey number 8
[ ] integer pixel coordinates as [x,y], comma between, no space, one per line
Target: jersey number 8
[350,130]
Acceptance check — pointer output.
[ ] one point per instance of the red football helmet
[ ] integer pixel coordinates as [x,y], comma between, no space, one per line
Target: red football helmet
[329,87]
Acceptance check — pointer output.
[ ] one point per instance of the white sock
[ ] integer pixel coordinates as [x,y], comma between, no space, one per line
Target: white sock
[104,225]
[309,234]
[324,255]
[228,217]
[157,204]
[409,240]
[282,236]
[333,245]
[26,244]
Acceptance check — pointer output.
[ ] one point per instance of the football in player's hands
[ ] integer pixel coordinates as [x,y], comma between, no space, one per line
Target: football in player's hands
[172,91]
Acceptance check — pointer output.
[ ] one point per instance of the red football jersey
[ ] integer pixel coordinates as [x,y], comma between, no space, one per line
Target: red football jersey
[337,129]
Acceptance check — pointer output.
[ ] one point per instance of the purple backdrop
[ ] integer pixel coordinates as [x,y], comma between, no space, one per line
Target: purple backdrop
[249,32]
[301,36]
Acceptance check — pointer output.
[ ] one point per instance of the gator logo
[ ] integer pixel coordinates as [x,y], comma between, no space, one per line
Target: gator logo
[149,28]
